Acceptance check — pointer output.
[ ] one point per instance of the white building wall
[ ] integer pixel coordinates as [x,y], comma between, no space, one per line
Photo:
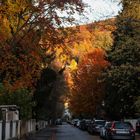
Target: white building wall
[7,128]
[0,130]
[14,129]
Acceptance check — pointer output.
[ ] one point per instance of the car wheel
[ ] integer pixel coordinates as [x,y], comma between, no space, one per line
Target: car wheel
[93,133]
[107,137]
[101,136]
[89,131]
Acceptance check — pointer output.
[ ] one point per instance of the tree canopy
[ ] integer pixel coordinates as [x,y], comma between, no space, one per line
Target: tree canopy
[29,33]
[123,76]
[88,90]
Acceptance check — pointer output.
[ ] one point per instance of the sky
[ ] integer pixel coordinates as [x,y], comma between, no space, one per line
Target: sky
[99,9]
[95,10]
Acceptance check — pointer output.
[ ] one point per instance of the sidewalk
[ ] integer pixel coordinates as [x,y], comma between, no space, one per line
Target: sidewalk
[45,134]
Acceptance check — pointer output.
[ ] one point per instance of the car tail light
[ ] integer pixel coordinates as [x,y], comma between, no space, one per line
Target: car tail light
[132,130]
[113,130]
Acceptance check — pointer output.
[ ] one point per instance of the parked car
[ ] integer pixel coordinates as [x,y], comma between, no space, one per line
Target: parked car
[74,122]
[95,126]
[82,124]
[105,129]
[77,123]
[120,130]
[69,121]
[87,123]
[58,122]
[138,126]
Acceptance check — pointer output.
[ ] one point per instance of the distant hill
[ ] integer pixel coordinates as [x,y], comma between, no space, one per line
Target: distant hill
[83,39]
[97,34]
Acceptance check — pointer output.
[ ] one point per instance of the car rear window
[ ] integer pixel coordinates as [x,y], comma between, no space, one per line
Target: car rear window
[108,125]
[123,125]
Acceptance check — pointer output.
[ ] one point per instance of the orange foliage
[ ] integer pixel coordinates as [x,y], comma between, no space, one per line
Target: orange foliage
[88,89]
[85,38]
[27,34]
[20,65]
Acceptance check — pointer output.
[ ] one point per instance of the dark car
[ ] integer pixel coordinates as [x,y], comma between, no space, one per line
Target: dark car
[58,122]
[120,130]
[87,123]
[82,124]
[138,126]
[96,126]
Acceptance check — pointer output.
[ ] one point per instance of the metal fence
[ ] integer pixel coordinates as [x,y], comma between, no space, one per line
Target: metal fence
[18,129]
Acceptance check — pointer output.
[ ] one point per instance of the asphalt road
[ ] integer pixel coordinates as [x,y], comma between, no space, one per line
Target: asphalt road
[64,132]
[67,132]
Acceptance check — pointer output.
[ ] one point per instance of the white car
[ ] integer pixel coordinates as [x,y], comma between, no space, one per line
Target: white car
[103,129]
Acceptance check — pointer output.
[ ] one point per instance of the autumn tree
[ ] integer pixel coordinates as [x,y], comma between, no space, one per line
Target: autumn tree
[101,33]
[123,76]
[93,35]
[29,31]
[89,37]
[88,90]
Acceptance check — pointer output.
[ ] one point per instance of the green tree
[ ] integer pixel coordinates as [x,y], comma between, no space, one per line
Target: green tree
[138,105]
[51,86]
[123,76]
[21,97]
[43,94]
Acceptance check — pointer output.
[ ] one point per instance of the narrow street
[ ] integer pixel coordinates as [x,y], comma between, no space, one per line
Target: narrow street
[68,132]
[65,132]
